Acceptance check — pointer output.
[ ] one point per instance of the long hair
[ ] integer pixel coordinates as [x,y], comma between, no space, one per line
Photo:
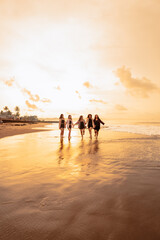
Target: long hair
[70,117]
[97,117]
[89,115]
[80,118]
[61,116]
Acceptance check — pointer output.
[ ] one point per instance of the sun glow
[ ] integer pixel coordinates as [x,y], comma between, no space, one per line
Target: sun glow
[57,56]
[79,57]
[53,61]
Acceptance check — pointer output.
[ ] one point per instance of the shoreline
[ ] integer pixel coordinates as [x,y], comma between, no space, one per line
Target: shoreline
[17,128]
[11,129]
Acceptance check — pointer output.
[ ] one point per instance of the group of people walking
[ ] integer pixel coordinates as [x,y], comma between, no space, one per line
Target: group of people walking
[90,123]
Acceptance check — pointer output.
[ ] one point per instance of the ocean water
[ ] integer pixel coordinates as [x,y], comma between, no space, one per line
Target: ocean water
[139,128]
[145,128]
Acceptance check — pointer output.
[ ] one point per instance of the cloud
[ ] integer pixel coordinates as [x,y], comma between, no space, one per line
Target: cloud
[87,85]
[120,107]
[34,98]
[46,100]
[57,88]
[98,101]
[78,94]
[31,106]
[135,86]
[10,82]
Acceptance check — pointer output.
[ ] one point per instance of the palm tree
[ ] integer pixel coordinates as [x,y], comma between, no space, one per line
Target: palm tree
[17,109]
[6,108]
[9,112]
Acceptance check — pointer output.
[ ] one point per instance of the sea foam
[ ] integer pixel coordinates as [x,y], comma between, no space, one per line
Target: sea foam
[139,129]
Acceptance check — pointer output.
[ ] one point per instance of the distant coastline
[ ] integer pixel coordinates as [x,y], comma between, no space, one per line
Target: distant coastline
[26,121]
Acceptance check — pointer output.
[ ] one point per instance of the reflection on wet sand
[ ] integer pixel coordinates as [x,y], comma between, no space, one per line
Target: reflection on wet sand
[83,156]
[79,189]
[60,151]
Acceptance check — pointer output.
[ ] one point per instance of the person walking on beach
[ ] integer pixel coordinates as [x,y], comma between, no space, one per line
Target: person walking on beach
[70,125]
[90,124]
[62,125]
[81,125]
[97,122]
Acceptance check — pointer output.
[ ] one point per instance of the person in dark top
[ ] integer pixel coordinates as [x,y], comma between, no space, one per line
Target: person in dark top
[70,125]
[97,123]
[90,124]
[62,125]
[81,125]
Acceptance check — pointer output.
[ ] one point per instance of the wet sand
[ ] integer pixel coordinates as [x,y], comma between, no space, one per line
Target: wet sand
[92,189]
[10,129]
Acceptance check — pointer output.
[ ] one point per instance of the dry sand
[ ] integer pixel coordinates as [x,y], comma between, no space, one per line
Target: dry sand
[107,189]
[10,129]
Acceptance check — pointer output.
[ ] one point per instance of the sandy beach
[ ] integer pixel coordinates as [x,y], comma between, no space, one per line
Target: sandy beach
[11,129]
[105,189]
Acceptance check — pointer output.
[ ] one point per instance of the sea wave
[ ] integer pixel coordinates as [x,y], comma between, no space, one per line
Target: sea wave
[139,129]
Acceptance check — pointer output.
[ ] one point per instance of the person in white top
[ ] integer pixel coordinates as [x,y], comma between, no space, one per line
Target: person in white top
[70,125]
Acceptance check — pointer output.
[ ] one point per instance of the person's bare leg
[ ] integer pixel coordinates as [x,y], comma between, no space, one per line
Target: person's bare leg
[90,132]
[69,134]
[62,132]
[96,134]
[81,132]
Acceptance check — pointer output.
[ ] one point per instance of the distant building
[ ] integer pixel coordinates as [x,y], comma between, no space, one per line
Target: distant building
[5,115]
[29,118]
[8,115]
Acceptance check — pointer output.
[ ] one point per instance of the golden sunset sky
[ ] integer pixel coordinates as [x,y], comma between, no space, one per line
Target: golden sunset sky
[81,56]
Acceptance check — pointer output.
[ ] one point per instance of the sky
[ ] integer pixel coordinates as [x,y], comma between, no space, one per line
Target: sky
[81,56]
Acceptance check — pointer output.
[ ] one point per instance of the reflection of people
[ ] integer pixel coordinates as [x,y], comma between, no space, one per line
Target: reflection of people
[69,123]
[96,146]
[90,124]
[61,144]
[97,123]
[60,152]
[81,125]
[62,125]
[93,146]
